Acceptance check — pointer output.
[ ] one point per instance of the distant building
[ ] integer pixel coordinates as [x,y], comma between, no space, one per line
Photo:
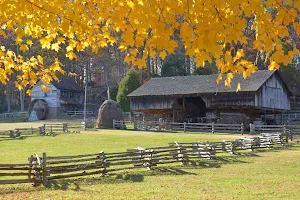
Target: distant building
[62,96]
[181,97]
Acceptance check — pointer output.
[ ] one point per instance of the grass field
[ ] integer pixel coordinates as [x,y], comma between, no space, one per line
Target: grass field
[272,174]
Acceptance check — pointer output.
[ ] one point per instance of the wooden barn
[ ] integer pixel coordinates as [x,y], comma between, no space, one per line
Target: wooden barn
[62,96]
[181,97]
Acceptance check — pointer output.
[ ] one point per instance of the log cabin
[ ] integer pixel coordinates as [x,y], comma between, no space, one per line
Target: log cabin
[180,97]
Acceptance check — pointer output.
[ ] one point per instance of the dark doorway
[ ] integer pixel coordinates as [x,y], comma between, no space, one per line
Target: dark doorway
[189,109]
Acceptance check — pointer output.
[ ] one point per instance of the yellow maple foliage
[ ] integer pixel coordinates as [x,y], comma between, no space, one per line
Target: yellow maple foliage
[206,28]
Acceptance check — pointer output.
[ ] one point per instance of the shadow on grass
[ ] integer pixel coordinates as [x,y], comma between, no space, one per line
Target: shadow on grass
[76,183]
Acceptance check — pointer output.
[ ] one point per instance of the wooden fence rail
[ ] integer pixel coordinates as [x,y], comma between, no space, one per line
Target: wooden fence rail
[186,127]
[79,112]
[42,169]
[13,115]
[207,127]
[42,130]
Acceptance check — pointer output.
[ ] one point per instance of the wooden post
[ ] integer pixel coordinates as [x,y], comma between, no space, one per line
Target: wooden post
[11,134]
[51,129]
[30,160]
[180,154]
[36,176]
[184,127]
[135,126]
[42,130]
[65,127]
[17,133]
[114,124]
[146,125]
[44,169]
[213,128]
[121,124]
[103,161]
[159,124]
[173,115]
[242,128]
[252,128]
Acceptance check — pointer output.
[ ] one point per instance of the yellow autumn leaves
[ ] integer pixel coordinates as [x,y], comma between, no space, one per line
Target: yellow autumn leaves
[27,71]
[152,28]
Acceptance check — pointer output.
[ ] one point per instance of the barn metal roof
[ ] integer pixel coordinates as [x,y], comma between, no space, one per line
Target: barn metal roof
[201,84]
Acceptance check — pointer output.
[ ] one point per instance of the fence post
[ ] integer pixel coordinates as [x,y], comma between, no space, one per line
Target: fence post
[44,170]
[159,124]
[251,126]
[11,134]
[180,154]
[42,130]
[114,124]
[184,127]
[30,160]
[65,127]
[213,128]
[37,175]
[103,162]
[121,124]
[135,126]
[242,128]
[146,125]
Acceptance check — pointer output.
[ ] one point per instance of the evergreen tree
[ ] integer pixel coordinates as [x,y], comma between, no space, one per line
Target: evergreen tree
[209,68]
[128,84]
[174,66]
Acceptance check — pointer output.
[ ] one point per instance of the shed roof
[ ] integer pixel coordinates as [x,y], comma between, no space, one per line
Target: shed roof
[201,84]
[67,84]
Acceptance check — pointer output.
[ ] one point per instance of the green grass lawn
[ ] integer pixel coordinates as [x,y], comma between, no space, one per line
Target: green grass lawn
[272,174]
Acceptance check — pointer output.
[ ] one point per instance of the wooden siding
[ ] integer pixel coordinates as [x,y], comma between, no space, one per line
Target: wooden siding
[51,97]
[273,95]
[152,102]
[229,99]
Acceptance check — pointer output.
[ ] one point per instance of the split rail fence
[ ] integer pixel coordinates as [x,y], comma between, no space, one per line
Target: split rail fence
[13,115]
[42,169]
[42,130]
[79,112]
[207,127]
[186,127]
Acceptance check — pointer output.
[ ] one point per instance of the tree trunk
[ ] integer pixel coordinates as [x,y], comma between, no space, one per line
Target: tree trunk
[22,99]
[148,68]
[156,66]
[188,65]
[8,97]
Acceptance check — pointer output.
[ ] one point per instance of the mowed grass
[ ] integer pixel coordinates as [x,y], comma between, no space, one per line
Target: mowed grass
[270,174]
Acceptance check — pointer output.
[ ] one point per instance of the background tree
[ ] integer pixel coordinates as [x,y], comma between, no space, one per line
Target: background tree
[209,68]
[174,65]
[129,83]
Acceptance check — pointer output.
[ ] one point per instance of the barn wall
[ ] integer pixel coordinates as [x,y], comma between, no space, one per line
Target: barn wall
[51,97]
[229,99]
[151,102]
[273,95]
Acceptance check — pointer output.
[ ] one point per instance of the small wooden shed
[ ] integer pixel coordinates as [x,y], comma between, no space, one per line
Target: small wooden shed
[192,96]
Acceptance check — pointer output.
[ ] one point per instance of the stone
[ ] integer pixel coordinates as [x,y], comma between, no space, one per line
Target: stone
[109,111]
[33,116]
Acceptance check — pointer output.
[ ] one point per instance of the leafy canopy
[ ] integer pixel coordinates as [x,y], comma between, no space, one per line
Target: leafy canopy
[128,84]
[143,28]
